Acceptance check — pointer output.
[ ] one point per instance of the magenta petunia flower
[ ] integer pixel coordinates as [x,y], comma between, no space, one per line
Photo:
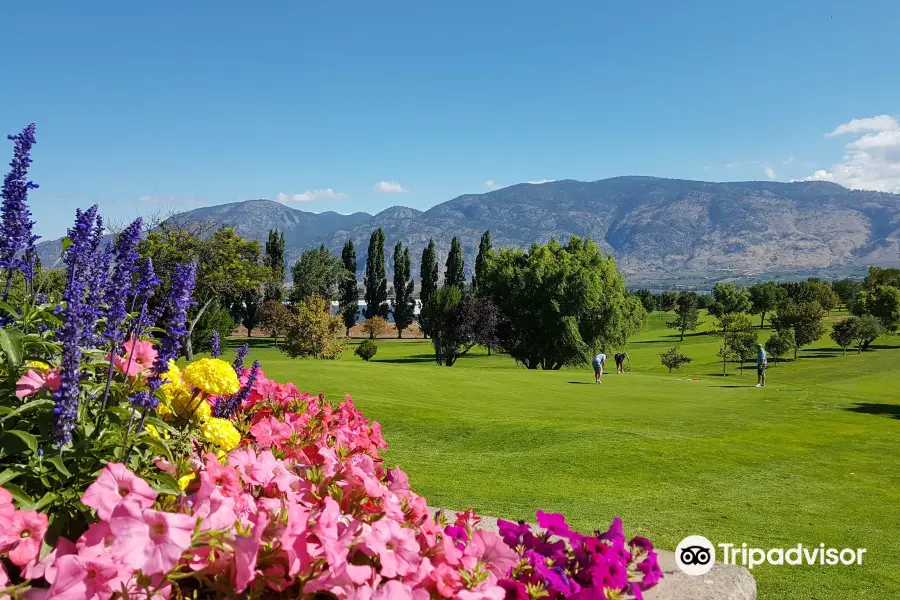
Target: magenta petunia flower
[116,485]
[150,540]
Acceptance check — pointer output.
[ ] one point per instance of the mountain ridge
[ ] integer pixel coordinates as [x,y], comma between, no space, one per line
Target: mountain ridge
[655,227]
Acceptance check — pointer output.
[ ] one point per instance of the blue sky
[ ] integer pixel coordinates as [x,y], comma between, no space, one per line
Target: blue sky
[142,105]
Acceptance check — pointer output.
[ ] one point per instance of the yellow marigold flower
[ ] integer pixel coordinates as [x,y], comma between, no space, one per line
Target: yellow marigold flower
[185,481]
[164,411]
[211,375]
[202,412]
[221,433]
[173,375]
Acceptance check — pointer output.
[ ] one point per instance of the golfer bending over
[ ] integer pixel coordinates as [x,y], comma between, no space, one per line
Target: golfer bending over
[599,362]
[620,362]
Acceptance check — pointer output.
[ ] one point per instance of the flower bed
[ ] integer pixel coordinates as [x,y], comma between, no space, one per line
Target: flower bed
[123,476]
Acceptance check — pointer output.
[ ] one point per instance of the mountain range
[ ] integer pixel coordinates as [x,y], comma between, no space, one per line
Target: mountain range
[658,229]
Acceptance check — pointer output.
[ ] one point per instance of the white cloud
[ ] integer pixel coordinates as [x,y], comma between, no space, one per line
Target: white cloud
[390,187]
[732,165]
[310,196]
[879,123]
[872,160]
[540,181]
[492,185]
[788,160]
[769,171]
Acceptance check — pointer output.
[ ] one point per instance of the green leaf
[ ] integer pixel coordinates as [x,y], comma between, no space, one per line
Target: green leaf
[9,475]
[158,445]
[26,437]
[160,425]
[166,484]
[11,344]
[65,243]
[57,462]
[33,405]
[25,501]
[45,500]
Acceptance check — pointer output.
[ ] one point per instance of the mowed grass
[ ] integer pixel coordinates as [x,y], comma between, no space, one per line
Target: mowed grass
[812,458]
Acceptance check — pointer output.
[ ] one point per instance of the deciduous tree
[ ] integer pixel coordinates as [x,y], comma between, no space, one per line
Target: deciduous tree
[665,302]
[559,304]
[276,318]
[648,300]
[780,343]
[735,330]
[728,298]
[846,290]
[673,358]
[318,273]
[764,297]
[804,318]
[687,315]
[375,327]
[461,323]
[313,331]
[880,301]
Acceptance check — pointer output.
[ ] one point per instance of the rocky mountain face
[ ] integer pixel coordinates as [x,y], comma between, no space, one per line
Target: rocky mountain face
[654,227]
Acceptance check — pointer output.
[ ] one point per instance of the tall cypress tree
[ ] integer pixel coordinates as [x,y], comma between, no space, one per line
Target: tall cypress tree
[484,248]
[274,260]
[349,303]
[403,289]
[428,277]
[455,273]
[376,277]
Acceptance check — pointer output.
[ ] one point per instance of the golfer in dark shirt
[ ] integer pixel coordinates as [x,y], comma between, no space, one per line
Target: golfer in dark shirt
[620,362]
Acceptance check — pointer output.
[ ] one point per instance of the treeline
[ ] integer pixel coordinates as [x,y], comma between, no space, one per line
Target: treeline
[546,307]
[795,310]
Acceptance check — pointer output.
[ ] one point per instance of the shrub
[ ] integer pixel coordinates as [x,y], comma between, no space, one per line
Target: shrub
[314,331]
[375,327]
[860,331]
[366,349]
[673,358]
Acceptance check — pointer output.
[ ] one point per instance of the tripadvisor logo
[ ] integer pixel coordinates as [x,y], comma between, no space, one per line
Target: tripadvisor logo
[696,555]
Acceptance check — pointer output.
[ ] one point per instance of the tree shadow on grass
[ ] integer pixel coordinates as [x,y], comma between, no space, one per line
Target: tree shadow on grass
[868,408]
[415,358]
[582,382]
[252,342]
[805,356]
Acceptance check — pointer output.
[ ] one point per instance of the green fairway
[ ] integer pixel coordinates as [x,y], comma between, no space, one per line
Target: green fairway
[812,458]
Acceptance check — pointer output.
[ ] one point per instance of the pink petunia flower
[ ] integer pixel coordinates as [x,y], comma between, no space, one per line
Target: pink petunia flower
[24,537]
[96,541]
[489,547]
[79,577]
[138,357]
[115,485]
[150,540]
[7,508]
[246,550]
[270,432]
[47,567]
[395,547]
[217,477]
[447,580]
[33,382]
